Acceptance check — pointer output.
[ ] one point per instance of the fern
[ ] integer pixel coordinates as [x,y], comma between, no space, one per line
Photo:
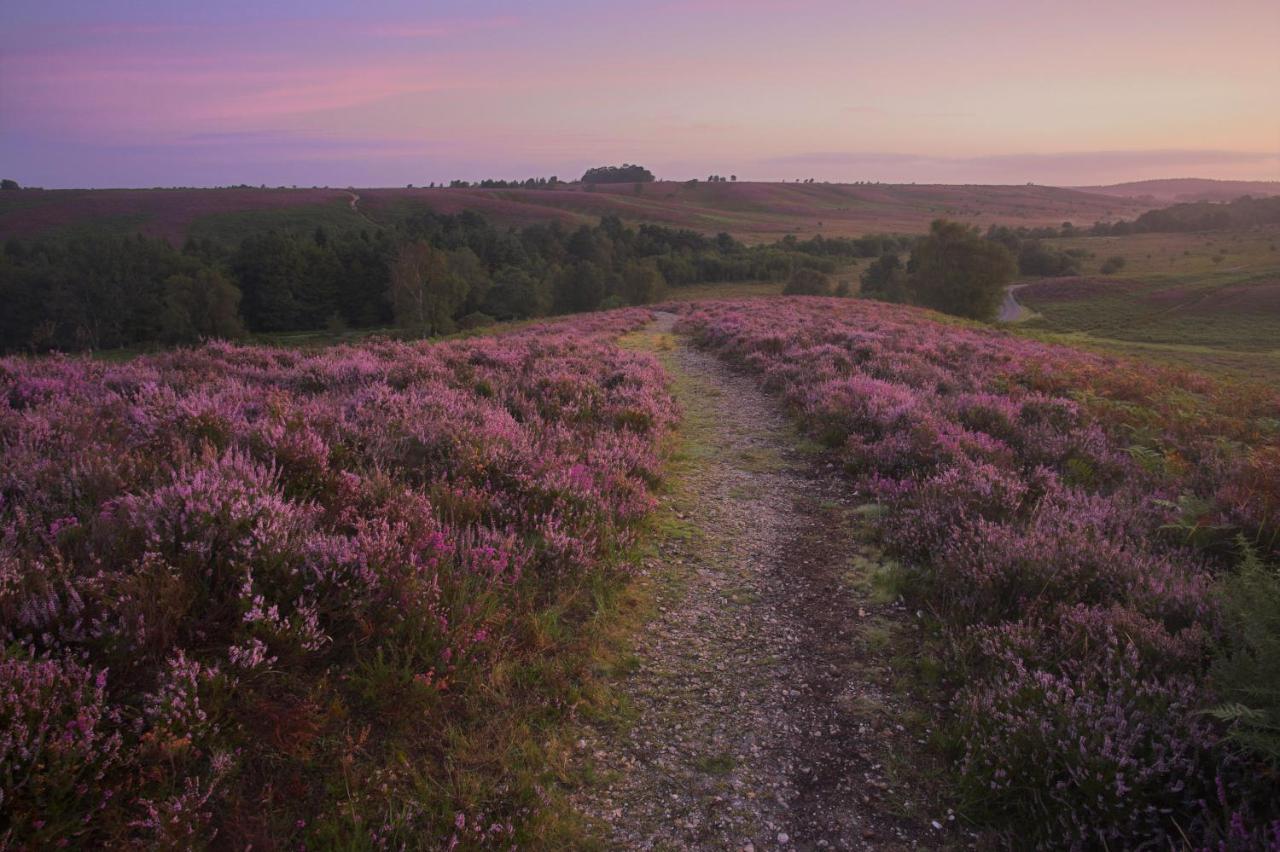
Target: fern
[1246,672]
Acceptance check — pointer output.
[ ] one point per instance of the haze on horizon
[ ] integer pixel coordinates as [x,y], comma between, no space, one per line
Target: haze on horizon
[151,93]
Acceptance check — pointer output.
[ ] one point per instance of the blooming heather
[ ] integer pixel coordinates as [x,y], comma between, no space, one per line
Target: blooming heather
[1063,513]
[240,584]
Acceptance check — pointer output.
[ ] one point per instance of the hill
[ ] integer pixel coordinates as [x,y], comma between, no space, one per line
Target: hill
[1186,189]
[753,212]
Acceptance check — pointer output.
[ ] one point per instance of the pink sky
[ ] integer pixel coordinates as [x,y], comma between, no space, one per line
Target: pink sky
[152,92]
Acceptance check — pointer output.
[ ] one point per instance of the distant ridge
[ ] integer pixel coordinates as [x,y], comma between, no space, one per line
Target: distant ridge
[1172,190]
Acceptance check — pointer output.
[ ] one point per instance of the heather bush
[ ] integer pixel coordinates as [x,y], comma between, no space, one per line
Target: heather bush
[1092,743]
[259,595]
[1066,517]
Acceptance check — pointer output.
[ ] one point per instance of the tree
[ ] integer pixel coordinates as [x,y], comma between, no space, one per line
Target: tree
[626,173]
[425,292]
[886,280]
[807,282]
[1112,265]
[1036,258]
[956,271]
[8,183]
[516,294]
[271,270]
[733,178]
[465,265]
[580,287]
[642,283]
[201,306]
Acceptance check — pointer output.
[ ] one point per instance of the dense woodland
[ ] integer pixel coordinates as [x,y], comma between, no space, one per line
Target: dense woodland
[430,274]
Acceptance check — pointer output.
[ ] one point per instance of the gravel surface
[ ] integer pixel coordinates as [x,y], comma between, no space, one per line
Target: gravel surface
[765,712]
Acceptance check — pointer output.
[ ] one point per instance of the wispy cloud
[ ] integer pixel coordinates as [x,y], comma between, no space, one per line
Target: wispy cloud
[1073,167]
[442,28]
[883,112]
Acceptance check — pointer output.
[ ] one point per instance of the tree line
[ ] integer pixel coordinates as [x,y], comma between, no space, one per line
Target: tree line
[428,274]
[1189,216]
[1243,212]
[431,273]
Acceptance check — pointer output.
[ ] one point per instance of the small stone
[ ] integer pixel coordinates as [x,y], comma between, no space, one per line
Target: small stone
[783,838]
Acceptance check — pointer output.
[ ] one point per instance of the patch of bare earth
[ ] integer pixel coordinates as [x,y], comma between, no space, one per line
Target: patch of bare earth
[765,713]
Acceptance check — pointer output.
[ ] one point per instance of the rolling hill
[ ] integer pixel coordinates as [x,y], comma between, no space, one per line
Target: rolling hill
[753,212]
[1186,189]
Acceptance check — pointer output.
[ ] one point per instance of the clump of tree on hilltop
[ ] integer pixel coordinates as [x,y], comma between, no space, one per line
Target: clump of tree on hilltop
[552,182]
[626,173]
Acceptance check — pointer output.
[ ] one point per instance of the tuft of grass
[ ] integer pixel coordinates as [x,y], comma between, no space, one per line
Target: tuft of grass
[716,764]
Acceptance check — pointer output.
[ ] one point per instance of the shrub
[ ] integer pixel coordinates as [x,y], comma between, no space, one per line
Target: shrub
[807,282]
[1036,258]
[886,280]
[474,320]
[1112,265]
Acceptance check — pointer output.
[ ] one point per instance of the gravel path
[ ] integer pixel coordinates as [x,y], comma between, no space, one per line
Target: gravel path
[765,716]
[1011,310]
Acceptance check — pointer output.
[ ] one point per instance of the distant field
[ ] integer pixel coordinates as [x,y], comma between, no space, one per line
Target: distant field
[753,212]
[1209,300]
[168,213]
[761,212]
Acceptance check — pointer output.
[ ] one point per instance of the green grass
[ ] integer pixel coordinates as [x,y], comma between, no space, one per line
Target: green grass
[1207,301]
[716,764]
[1151,314]
[1155,256]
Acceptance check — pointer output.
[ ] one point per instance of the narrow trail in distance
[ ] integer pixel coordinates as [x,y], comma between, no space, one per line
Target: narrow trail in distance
[762,690]
[1011,310]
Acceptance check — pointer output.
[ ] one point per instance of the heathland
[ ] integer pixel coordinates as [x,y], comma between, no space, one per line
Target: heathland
[752,212]
[678,570]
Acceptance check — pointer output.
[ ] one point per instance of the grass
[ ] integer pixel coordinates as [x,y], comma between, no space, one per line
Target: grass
[1207,301]
[1192,255]
[716,764]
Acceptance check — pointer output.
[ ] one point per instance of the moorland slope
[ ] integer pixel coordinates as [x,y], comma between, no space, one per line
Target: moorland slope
[753,212]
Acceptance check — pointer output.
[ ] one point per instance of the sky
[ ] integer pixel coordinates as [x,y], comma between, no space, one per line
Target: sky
[106,93]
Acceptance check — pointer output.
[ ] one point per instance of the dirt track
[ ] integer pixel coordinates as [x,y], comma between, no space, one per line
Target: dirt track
[765,714]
